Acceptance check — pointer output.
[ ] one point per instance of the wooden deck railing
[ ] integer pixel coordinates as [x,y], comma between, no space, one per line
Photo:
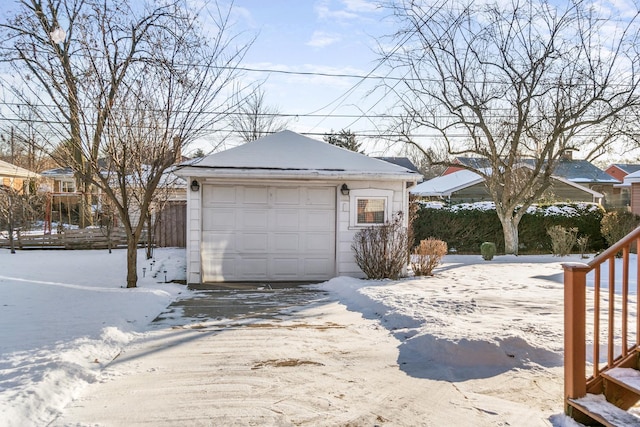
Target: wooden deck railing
[611,315]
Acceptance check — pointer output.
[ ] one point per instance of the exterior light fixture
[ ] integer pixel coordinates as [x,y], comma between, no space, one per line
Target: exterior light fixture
[344,190]
[195,185]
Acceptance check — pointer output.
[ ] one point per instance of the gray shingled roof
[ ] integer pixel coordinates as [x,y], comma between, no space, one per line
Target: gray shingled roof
[578,171]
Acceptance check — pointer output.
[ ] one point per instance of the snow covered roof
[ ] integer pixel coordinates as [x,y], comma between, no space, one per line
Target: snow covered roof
[631,178]
[446,185]
[288,154]
[58,173]
[13,171]
[578,171]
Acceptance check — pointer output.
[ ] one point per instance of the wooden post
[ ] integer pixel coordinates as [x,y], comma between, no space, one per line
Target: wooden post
[575,281]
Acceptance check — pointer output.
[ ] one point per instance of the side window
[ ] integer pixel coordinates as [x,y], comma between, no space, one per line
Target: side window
[370,206]
[370,211]
[68,187]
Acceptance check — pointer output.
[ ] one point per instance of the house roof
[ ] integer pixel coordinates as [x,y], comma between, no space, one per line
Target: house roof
[578,171]
[631,178]
[626,167]
[400,161]
[13,171]
[583,171]
[446,185]
[288,154]
[58,173]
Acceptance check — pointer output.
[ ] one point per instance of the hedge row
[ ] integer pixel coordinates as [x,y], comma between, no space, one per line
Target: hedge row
[466,226]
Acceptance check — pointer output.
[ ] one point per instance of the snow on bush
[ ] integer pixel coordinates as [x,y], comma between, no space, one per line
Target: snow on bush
[557,209]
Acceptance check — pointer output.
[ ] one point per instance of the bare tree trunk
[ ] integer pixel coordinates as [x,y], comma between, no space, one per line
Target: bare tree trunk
[510,230]
[10,227]
[150,236]
[132,262]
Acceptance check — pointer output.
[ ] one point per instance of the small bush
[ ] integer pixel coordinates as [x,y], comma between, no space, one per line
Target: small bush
[381,251]
[583,245]
[617,224]
[427,255]
[562,239]
[488,250]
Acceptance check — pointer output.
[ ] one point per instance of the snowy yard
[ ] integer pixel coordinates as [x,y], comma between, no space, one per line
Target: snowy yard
[491,332]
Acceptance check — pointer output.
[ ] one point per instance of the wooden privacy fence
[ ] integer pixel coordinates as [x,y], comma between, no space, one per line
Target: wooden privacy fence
[86,238]
[171,225]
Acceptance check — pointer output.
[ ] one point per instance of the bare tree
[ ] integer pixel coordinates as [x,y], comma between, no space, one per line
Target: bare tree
[21,148]
[128,86]
[516,84]
[18,210]
[254,119]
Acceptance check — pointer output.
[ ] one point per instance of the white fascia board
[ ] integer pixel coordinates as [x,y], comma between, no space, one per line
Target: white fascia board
[196,172]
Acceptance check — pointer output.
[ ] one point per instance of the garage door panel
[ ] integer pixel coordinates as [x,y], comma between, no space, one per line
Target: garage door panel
[286,196]
[214,243]
[285,268]
[216,195]
[254,219]
[219,219]
[318,220]
[286,242]
[255,195]
[217,269]
[324,196]
[252,268]
[286,219]
[318,243]
[268,233]
[316,267]
[253,242]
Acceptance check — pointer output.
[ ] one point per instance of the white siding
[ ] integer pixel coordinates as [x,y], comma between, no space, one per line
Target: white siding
[344,263]
[346,231]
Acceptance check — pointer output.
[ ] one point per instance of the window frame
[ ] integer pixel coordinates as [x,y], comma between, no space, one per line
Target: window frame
[369,194]
[67,187]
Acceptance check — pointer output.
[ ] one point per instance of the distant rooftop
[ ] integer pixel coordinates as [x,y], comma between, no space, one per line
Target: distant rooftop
[579,171]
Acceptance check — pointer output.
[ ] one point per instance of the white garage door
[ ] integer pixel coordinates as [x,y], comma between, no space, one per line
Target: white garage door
[277,233]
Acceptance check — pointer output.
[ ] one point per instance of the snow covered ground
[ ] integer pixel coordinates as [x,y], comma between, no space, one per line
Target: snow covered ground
[492,330]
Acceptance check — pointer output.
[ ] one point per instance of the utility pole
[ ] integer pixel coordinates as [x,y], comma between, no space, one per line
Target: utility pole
[13,147]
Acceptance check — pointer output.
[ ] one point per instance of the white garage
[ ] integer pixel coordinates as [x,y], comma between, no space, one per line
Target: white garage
[285,208]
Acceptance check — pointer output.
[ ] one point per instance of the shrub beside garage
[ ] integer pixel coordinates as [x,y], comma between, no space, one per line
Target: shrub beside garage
[466,226]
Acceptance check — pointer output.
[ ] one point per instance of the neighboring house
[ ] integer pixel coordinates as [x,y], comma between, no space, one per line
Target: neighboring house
[400,161]
[286,208]
[580,172]
[622,194]
[63,180]
[620,170]
[15,177]
[464,186]
[631,186]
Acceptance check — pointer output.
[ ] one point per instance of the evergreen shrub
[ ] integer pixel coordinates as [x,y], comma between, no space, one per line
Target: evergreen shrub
[488,250]
[466,226]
